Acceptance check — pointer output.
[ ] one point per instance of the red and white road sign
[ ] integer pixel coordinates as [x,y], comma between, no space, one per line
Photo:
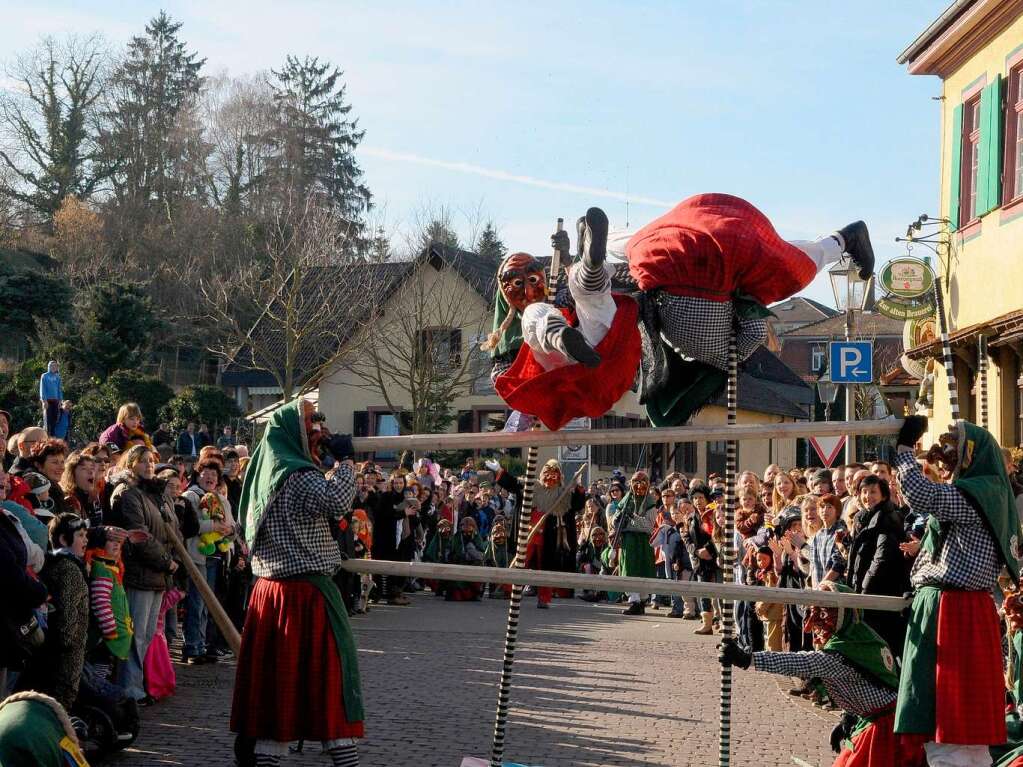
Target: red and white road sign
[828,448]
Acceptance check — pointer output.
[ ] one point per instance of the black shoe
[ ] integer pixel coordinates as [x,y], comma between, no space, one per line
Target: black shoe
[211,658]
[857,245]
[542,606]
[571,342]
[592,229]
[195,660]
[148,700]
[634,608]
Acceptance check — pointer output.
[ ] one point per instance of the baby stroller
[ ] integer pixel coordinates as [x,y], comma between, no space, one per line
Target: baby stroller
[110,717]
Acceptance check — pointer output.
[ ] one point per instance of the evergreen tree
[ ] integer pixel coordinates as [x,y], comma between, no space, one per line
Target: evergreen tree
[439,231]
[490,246]
[312,145]
[151,136]
[114,328]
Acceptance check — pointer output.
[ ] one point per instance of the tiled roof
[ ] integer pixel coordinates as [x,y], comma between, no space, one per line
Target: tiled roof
[868,324]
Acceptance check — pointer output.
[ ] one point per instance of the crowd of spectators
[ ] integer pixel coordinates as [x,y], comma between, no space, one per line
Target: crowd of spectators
[97,594]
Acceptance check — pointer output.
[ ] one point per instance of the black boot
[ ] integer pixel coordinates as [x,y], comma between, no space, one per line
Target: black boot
[857,245]
[592,229]
[570,342]
[634,608]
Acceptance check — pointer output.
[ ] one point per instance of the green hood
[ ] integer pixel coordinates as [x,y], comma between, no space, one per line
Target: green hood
[862,646]
[981,477]
[283,450]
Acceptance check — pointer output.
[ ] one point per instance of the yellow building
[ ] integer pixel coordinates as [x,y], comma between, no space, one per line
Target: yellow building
[459,289]
[976,48]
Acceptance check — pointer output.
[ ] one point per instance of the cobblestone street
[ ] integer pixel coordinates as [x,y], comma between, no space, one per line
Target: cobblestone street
[591,688]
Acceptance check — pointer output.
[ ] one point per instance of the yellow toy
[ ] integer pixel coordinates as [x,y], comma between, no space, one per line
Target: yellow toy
[213,507]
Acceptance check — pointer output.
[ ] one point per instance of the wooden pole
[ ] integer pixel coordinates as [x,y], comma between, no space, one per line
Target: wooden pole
[688,589]
[217,612]
[637,436]
[728,605]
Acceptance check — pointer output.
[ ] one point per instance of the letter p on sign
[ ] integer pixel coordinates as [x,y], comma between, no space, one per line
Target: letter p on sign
[851,361]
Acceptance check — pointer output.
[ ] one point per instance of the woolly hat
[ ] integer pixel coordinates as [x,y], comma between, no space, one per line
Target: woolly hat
[822,475]
[37,483]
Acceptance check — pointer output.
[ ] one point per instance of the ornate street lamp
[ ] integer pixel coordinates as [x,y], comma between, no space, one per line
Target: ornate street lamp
[827,392]
[851,296]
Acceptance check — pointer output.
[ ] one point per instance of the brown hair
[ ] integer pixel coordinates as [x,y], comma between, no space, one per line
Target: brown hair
[46,448]
[127,410]
[832,500]
[74,460]
[132,456]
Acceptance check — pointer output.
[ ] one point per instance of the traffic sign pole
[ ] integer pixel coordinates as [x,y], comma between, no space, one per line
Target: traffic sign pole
[851,362]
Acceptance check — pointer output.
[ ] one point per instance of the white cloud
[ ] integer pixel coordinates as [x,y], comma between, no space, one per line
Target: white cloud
[514,178]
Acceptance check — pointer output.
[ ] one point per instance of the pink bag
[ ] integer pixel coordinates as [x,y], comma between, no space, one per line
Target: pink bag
[161,680]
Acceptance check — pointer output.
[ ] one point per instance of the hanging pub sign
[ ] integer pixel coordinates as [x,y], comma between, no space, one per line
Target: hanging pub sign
[908,285]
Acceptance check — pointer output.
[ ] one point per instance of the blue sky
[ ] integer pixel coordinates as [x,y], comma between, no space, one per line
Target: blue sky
[528,111]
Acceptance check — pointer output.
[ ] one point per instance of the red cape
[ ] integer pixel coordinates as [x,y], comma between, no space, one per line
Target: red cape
[558,396]
[714,245]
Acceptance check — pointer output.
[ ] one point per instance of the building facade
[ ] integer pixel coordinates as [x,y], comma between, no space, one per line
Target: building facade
[976,49]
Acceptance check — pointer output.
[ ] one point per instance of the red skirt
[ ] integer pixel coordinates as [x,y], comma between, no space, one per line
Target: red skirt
[289,683]
[714,245]
[557,396]
[879,746]
[970,699]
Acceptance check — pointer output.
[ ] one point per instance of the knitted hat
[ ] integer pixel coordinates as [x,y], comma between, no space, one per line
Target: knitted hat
[821,475]
[37,483]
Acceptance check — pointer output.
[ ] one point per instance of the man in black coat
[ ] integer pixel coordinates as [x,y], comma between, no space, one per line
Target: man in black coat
[876,564]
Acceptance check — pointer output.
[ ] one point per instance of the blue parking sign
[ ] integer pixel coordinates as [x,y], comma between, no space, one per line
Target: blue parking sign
[851,361]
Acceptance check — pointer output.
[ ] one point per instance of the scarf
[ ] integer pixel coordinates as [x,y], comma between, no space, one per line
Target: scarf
[980,476]
[511,339]
[282,451]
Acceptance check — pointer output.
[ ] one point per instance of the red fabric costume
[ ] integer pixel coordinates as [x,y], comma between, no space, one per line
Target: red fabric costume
[713,245]
[557,396]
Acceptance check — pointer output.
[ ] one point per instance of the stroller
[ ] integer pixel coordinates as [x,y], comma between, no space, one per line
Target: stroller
[109,718]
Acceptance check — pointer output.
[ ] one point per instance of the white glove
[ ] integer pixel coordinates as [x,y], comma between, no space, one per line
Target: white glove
[492,465]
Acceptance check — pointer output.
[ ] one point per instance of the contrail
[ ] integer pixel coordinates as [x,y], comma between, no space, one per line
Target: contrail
[500,175]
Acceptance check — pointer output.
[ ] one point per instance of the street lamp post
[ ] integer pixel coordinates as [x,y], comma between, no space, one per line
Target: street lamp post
[827,392]
[851,294]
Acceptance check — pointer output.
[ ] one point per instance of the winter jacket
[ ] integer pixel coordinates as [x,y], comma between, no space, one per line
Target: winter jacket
[876,564]
[139,507]
[57,667]
[22,592]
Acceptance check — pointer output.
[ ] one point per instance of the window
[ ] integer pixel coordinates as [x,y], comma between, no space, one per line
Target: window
[386,426]
[441,347]
[970,160]
[685,457]
[629,458]
[816,358]
[1014,136]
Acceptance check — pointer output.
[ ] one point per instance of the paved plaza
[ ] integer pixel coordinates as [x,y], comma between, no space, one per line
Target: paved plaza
[591,688]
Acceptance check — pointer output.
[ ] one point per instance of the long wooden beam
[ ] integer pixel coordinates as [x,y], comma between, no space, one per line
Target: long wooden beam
[641,436]
[624,584]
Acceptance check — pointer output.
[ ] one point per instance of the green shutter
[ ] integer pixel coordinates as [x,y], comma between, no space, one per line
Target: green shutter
[957,150]
[991,145]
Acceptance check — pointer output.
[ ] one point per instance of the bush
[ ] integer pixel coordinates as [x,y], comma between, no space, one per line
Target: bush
[202,404]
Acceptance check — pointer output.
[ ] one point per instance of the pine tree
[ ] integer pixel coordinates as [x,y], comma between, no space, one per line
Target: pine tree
[490,246]
[439,231]
[151,136]
[313,143]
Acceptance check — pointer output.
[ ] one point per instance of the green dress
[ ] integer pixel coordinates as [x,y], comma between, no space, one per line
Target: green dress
[636,557]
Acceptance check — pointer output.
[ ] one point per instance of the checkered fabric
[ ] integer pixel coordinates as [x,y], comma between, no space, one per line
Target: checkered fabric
[295,535]
[969,558]
[697,328]
[846,686]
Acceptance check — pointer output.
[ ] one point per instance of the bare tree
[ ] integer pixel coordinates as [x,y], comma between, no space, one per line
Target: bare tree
[291,311]
[49,122]
[422,351]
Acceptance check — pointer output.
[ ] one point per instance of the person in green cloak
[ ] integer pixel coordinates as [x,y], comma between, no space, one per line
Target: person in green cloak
[632,522]
[298,674]
[35,731]
[857,668]
[951,692]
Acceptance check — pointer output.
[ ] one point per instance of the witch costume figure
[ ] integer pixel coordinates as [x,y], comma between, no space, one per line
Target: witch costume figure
[952,694]
[711,264]
[632,521]
[298,674]
[559,363]
[857,668]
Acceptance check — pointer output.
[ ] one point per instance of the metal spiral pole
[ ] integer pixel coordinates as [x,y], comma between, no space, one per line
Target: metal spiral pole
[727,605]
[946,350]
[511,635]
